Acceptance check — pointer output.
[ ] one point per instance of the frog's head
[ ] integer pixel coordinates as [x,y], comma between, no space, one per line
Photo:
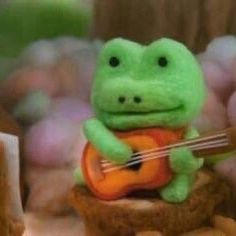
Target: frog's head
[144,86]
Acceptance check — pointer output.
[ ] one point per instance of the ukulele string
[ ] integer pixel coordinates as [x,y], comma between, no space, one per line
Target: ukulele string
[201,146]
[223,135]
[147,159]
[162,150]
[152,157]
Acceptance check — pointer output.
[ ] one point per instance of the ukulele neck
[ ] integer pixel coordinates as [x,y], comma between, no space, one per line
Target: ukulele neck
[217,143]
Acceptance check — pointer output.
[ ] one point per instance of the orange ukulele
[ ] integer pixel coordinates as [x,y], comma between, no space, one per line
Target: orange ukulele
[148,167]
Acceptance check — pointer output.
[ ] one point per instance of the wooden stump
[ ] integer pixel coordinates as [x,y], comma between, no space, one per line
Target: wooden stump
[4,224]
[132,215]
[10,126]
[194,22]
[11,212]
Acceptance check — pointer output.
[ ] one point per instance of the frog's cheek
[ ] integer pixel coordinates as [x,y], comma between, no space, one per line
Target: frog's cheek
[135,97]
[125,121]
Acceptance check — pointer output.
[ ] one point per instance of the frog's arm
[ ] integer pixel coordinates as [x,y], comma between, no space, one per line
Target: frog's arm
[211,160]
[106,142]
[182,160]
[191,133]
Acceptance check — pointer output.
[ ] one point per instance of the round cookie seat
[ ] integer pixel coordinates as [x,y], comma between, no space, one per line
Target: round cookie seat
[135,214]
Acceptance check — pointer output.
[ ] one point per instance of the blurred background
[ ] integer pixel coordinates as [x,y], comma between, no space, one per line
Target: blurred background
[25,21]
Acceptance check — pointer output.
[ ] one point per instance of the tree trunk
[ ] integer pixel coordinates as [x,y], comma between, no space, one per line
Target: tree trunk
[195,22]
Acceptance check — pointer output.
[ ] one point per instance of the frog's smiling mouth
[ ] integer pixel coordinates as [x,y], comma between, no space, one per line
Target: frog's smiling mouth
[140,113]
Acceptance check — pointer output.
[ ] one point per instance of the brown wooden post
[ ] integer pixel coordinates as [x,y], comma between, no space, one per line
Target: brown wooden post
[11,213]
[194,22]
[4,222]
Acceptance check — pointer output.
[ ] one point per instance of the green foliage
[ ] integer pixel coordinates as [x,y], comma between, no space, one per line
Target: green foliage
[24,21]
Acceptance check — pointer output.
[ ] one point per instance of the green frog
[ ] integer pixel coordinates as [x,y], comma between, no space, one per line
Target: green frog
[147,86]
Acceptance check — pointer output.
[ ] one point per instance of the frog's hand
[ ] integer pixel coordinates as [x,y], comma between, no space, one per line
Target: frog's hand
[106,142]
[182,159]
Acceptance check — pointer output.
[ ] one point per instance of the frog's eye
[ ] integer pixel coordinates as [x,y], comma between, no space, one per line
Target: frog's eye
[114,61]
[162,61]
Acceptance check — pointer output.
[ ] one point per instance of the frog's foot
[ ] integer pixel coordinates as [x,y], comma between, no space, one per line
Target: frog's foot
[79,178]
[178,190]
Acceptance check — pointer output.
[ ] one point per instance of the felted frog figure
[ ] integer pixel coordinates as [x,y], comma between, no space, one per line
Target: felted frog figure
[159,86]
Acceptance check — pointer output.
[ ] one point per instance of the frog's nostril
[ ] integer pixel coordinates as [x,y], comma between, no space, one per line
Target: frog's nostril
[121,99]
[137,99]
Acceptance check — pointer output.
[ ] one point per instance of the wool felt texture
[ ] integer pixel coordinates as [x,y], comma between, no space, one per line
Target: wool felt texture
[185,166]
[156,85]
[146,175]
[105,141]
[135,86]
[137,214]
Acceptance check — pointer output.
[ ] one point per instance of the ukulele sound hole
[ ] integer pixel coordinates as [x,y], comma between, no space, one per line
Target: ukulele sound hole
[137,160]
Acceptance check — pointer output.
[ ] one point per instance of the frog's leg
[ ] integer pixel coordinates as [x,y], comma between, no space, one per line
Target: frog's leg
[179,188]
[185,167]
[78,176]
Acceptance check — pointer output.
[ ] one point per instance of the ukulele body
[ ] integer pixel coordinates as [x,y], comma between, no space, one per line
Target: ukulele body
[148,174]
